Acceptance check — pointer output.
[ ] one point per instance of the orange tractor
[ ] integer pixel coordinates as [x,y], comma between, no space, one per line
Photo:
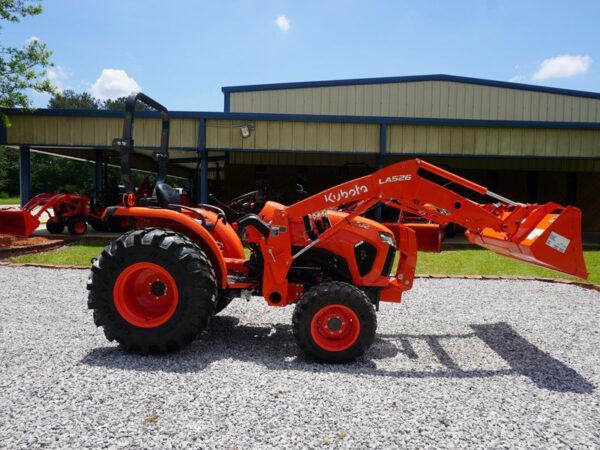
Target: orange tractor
[63,209]
[156,288]
[73,211]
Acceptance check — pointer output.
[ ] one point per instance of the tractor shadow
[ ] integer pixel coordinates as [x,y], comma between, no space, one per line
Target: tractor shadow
[275,348]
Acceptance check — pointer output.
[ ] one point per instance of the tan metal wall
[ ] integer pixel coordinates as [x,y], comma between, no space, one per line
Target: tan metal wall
[296,136]
[299,159]
[421,139]
[494,141]
[312,136]
[95,131]
[440,99]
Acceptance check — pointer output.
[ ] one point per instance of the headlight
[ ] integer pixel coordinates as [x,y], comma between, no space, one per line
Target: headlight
[387,238]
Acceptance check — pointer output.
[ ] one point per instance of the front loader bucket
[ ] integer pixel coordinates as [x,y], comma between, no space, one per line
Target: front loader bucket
[17,222]
[549,236]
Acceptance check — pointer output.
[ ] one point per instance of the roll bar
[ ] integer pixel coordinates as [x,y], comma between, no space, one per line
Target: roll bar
[125,145]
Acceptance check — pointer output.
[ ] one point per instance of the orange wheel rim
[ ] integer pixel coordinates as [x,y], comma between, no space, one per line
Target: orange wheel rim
[145,295]
[335,328]
[79,228]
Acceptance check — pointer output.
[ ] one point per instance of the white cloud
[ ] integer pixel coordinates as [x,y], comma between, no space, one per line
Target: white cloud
[518,79]
[282,23]
[57,75]
[563,66]
[31,39]
[114,83]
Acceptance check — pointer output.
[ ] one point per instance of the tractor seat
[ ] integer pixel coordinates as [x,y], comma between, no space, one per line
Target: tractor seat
[167,195]
[168,198]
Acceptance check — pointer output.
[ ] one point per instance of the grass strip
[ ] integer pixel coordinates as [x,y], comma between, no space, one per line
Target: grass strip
[455,260]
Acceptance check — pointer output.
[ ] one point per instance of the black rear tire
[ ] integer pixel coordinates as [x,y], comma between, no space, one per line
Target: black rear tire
[331,308]
[119,225]
[193,276]
[223,300]
[100,225]
[55,226]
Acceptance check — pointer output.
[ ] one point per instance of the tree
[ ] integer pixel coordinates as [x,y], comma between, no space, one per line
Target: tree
[54,174]
[118,104]
[9,172]
[71,100]
[22,68]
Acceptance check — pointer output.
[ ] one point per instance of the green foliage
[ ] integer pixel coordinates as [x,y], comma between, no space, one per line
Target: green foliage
[69,99]
[118,104]
[72,100]
[9,171]
[53,174]
[22,68]
[3,195]
[48,173]
[13,10]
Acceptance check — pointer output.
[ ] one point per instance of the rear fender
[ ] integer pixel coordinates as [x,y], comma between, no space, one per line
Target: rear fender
[187,226]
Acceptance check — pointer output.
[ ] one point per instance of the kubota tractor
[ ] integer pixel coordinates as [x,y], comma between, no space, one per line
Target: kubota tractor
[73,211]
[154,289]
[63,210]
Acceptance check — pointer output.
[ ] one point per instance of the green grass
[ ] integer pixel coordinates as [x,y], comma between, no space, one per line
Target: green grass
[474,261]
[10,201]
[78,254]
[457,260]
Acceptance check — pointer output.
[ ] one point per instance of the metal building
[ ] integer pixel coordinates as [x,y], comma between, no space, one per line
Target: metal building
[530,143]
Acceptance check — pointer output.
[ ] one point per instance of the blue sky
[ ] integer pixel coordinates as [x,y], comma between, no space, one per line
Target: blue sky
[182,52]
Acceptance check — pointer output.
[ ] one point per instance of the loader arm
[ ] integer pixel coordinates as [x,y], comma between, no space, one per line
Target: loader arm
[402,186]
[546,235]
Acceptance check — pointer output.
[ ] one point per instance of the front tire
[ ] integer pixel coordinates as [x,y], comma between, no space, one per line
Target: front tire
[334,322]
[152,290]
[55,225]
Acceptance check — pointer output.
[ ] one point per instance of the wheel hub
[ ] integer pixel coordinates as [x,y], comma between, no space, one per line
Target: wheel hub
[145,295]
[335,327]
[334,324]
[158,288]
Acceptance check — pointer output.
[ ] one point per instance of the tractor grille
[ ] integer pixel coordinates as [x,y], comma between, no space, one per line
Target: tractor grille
[365,255]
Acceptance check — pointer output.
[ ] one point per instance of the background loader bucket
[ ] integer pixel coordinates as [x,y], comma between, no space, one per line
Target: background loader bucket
[550,237]
[17,222]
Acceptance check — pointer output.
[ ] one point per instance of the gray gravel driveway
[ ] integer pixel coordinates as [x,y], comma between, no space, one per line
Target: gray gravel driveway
[461,363]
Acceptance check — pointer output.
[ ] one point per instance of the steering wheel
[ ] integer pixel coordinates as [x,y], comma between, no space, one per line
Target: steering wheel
[242,199]
[237,206]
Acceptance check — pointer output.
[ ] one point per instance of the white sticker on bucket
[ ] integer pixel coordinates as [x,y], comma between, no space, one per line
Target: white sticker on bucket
[557,242]
[534,233]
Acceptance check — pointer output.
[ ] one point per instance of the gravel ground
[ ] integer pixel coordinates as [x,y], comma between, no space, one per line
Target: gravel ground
[461,363]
